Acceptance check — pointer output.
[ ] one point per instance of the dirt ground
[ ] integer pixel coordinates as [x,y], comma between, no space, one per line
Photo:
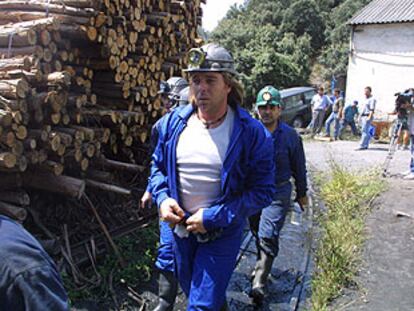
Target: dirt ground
[386,278]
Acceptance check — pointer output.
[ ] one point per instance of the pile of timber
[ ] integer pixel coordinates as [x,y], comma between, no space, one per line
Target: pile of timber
[78,91]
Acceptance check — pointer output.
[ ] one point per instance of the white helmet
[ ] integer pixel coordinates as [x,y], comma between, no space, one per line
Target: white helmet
[210,57]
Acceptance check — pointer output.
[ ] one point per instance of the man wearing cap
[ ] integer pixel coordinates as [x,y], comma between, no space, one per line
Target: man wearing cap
[174,93]
[290,162]
[212,168]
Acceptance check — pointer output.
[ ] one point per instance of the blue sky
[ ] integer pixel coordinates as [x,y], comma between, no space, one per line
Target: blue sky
[215,10]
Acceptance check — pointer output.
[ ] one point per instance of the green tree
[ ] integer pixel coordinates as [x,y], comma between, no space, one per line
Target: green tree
[277,42]
[304,17]
[334,56]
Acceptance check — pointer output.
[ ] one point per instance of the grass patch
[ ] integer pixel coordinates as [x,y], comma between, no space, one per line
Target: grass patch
[138,250]
[346,196]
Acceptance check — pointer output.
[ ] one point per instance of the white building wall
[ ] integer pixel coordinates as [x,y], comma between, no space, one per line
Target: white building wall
[382,56]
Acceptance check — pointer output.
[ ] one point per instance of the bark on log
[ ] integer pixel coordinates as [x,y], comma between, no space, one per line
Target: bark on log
[107,187]
[13,211]
[34,5]
[10,181]
[65,185]
[122,166]
[19,197]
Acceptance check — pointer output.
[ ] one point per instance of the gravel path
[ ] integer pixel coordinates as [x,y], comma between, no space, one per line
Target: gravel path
[386,278]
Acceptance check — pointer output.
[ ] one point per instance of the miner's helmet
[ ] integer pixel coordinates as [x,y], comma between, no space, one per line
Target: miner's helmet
[172,87]
[210,58]
[268,96]
[184,94]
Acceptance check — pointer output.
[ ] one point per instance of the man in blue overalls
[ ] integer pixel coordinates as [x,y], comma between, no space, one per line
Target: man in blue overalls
[290,162]
[174,93]
[213,167]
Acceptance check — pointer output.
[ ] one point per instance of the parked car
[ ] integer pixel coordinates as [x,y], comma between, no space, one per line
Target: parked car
[296,104]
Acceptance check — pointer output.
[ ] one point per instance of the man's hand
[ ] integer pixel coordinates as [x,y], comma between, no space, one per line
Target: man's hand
[171,212]
[303,202]
[146,200]
[195,222]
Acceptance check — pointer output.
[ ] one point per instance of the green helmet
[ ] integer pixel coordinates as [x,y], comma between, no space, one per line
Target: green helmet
[268,96]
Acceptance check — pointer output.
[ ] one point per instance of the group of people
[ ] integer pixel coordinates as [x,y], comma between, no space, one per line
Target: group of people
[215,169]
[341,116]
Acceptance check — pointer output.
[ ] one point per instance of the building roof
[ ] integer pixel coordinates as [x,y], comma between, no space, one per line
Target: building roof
[385,12]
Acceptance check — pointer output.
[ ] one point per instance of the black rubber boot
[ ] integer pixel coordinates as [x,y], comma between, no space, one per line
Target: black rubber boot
[167,291]
[224,307]
[262,270]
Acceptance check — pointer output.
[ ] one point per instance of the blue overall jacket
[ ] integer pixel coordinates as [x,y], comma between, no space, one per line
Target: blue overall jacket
[29,279]
[247,177]
[290,161]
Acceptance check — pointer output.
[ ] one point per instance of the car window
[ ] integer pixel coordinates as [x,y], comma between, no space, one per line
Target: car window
[292,101]
[309,95]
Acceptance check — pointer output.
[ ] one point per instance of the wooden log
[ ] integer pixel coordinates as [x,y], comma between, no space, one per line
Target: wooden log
[99,175]
[34,77]
[14,16]
[38,134]
[51,166]
[15,212]
[30,144]
[9,104]
[10,181]
[16,38]
[74,3]
[79,32]
[14,88]
[18,197]
[59,77]
[107,187]
[20,132]
[7,160]
[65,185]
[122,166]
[35,50]
[17,62]
[6,118]
[34,5]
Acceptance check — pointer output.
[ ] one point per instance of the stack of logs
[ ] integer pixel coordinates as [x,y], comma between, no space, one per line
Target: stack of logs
[78,90]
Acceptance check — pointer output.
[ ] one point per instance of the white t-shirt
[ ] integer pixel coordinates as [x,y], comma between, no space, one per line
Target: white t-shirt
[200,157]
[320,102]
[369,105]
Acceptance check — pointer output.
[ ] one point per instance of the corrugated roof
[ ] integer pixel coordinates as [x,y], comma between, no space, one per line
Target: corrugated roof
[384,12]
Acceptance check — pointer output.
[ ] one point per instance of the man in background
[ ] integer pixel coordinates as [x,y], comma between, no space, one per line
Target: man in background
[174,93]
[320,103]
[336,115]
[290,162]
[348,118]
[367,115]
